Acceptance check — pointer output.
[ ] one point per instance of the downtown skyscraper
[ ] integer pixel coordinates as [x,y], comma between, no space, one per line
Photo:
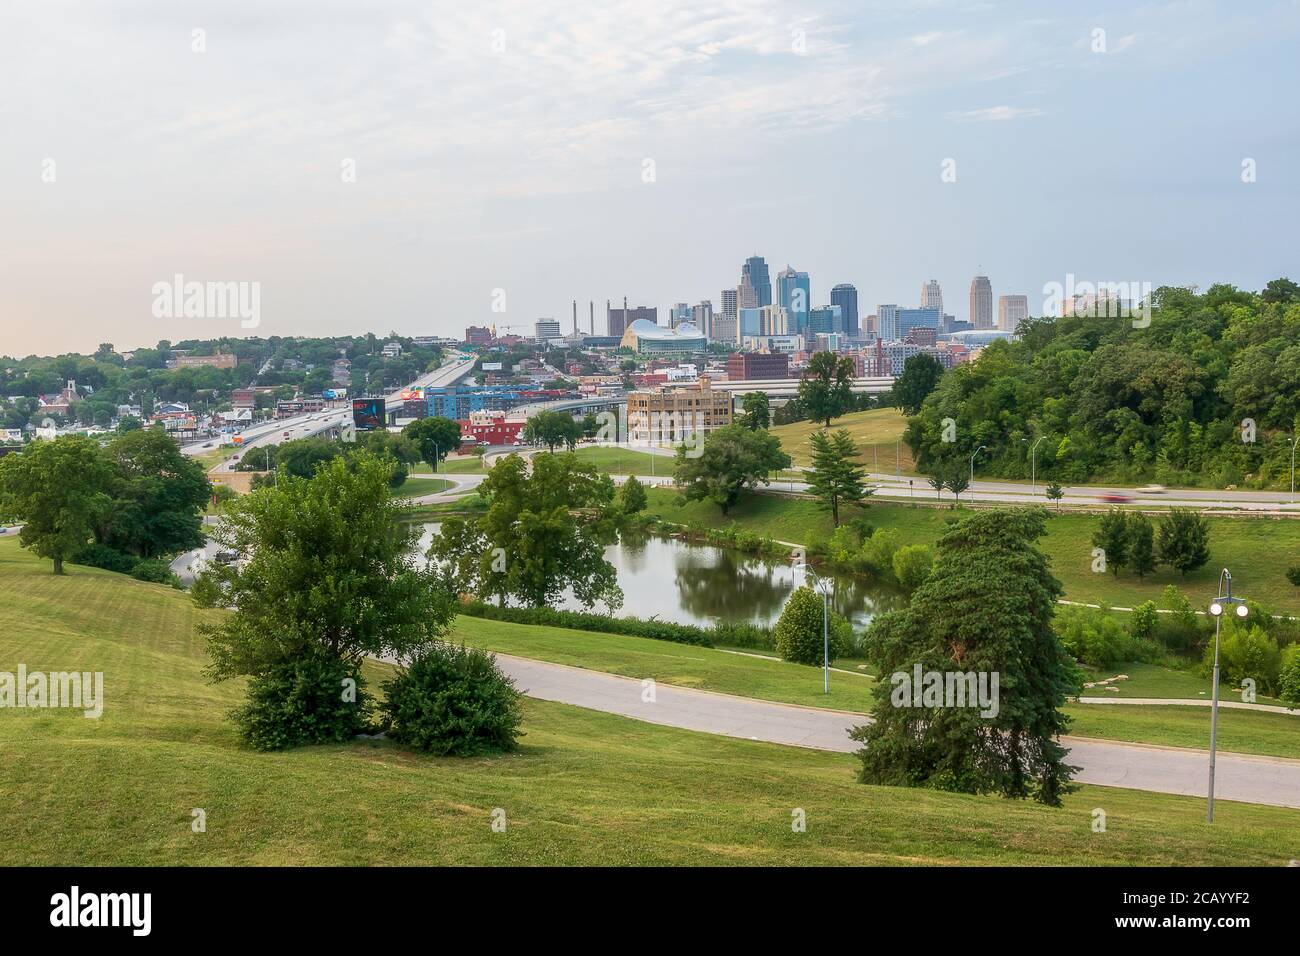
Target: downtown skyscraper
[794,294]
[981,303]
[845,295]
[754,274]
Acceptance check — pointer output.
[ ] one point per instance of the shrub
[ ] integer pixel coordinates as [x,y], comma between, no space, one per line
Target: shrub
[878,551]
[1245,651]
[1288,682]
[1293,574]
[632,496]
[156,572]
[1142,622]
[1181,628]
[102,556]
[912,565]
[1093,637]
[587,621]
[452,701]
[798,633]
[307,700]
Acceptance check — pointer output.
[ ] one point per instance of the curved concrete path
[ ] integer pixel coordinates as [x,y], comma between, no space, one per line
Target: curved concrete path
[1268,780]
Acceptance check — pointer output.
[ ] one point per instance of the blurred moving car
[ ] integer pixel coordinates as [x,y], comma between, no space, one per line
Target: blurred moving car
[1152,490]
[1116,498]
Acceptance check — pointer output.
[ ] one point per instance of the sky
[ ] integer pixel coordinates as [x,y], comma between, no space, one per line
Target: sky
[417,167]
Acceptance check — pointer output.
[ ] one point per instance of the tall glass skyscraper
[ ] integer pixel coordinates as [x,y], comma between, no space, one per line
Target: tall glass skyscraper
[755,268]
[845,295]
[794,293]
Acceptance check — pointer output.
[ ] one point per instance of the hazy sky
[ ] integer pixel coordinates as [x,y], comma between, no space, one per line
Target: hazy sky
[505,146]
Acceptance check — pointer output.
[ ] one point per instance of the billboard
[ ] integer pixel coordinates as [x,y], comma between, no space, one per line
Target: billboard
[368,413]
[333,394]
[491,366]
[409,394]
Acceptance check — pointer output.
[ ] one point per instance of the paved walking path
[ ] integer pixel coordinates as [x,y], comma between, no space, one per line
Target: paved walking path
[1268,780]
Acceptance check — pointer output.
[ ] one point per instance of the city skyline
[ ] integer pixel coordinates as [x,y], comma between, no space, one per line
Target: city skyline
[408,170]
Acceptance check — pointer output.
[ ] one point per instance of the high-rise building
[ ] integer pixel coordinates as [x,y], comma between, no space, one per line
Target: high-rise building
[794,294]
[774,320]
[702,317]
[618,320]
[845,295]
[825,319]
[679,313]
[755,270]
[887,322]
[931,295]
[478,335]
[726,324]
[547,329]
[981,302]
[746,296]
[751,322]
[908,319]
[1012,310]
[750,366]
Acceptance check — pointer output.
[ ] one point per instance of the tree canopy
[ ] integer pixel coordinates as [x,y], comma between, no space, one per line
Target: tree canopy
[734,458]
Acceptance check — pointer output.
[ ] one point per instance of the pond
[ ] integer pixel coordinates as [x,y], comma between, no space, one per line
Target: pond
[691,583]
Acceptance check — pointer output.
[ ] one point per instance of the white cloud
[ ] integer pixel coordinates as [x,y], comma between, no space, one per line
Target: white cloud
[995,114]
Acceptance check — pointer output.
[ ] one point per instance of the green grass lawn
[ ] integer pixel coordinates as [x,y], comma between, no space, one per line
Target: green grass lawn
[418,485]
[1258,550]
[1151,680]
[464,465]
[625,461]
[765,678]
[585,787]
[882,427]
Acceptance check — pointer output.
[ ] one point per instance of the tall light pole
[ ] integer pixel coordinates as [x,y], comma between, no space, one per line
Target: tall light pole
[1033,464]
[1218,606]
[972,462]
[1294,441]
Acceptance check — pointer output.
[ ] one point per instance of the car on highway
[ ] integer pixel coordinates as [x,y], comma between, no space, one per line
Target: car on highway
[286,434]
[1152,490]
[1115,498]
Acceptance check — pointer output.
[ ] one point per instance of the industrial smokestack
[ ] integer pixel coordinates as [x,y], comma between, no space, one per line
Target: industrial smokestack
[592,315]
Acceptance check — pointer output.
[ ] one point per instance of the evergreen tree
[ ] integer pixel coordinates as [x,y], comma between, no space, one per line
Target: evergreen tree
[986,608]
[836,476]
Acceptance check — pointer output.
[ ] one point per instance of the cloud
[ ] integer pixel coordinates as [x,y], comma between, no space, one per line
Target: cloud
[990,114]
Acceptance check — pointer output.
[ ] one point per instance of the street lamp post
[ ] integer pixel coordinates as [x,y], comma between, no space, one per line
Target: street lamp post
[972,462]
[1223,601]
[1033,464]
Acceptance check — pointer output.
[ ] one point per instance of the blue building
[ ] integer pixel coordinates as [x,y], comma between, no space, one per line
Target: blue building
[845,295]
[755,268]
[916,319]
[794,294]
[828,319]
[751,322]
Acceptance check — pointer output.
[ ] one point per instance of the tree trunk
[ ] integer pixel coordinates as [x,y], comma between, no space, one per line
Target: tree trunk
[58,563]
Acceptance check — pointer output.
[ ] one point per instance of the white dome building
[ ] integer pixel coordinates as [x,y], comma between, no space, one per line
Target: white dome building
[647,338]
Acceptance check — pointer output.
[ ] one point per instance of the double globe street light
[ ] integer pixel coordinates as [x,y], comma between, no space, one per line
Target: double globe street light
[1223,604]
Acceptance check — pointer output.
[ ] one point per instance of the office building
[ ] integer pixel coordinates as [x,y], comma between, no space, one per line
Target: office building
[753,366]
[618,320]
[679,313]
[887,322]
[845,295]
[547,329]
[702,318]
[751,322]
[754,274]
[826,318]
[921,335]
[1012,310]
[908,319]
[478,335]
[981,302]
[669,416]
[794,294]
[931,295]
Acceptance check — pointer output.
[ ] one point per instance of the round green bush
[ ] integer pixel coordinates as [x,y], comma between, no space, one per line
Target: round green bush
[156,572]
[452,701]
[316,699]
[1293,574]
[1289,676]
[798,633]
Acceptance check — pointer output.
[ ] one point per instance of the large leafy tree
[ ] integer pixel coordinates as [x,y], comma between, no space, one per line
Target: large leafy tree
[330,571]
[553,429]
[836,475]
[435,438]
[986,608]
[544,532]
[59,490]
[1184,540]
[733,459]
[757,412]
[826,389]
[158,496]
[921,374]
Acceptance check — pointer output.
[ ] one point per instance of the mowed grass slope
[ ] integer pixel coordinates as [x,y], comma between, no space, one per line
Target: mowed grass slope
[882,427]
[586,787]
[1258,550]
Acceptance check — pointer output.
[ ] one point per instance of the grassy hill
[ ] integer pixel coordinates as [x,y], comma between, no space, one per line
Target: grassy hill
[586,787]
[881,427]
